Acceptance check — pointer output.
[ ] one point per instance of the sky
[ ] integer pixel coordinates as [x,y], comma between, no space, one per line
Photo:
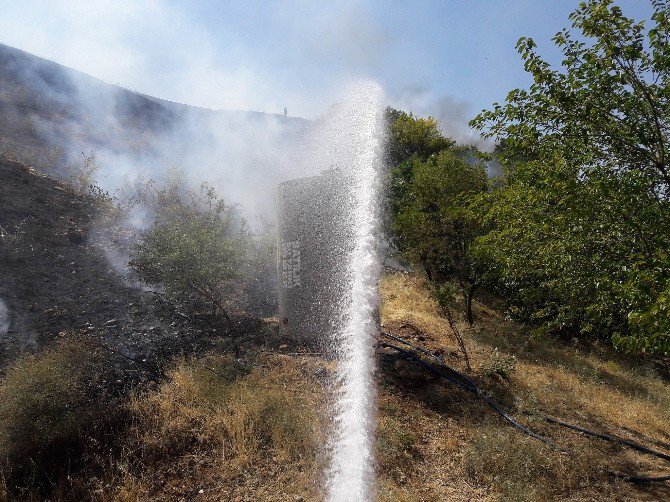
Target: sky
[449,58]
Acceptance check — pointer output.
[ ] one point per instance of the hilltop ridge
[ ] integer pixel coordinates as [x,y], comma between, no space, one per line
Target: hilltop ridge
[50,113]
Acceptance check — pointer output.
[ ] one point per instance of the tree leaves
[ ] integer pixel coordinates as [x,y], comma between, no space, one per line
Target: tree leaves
[580,228]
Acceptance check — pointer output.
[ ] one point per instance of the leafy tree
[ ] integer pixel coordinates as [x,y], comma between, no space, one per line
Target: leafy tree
[413,137]
[410,139]
[195,248]
[436,225]
[610,104]
[571,253]
[579,228]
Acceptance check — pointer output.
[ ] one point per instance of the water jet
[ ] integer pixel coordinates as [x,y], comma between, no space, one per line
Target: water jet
[328,272]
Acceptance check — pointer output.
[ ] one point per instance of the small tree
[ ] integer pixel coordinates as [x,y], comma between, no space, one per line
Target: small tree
[436,225]
[410,139]
[195,248]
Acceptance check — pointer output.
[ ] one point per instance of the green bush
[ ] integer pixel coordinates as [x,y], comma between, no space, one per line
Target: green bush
[579,226]
[195,248]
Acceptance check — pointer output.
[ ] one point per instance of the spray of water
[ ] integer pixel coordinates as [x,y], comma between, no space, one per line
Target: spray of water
[359,146]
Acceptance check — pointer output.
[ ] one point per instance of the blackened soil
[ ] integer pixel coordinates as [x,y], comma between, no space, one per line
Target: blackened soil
[56,281]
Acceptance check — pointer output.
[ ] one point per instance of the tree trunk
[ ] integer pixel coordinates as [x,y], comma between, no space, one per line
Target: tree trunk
[469,293]
[457,334]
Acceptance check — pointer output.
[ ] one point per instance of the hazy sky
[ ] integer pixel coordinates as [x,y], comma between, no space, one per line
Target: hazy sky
[448,58]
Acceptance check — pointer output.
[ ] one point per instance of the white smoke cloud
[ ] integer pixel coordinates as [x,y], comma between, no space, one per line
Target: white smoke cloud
[160,48]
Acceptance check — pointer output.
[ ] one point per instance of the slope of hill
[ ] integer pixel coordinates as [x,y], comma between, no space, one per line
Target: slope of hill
[56,280]
[53,118]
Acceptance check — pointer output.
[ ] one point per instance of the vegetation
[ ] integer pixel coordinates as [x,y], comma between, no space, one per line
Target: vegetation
[580,234]
[575,235]
[436,225]
[571,241]
[454,448]
[195,248]
[48,408]
[232,416]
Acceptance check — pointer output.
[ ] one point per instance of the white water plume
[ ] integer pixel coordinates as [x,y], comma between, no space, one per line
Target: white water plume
[355,146]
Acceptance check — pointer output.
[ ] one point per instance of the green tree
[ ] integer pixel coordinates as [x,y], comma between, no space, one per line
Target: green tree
[610,104]
[413,137]
[195,248]
[579,227]
[410,139]
[436,224]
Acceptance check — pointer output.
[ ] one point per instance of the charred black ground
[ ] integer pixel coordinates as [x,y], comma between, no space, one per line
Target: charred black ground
[56,282]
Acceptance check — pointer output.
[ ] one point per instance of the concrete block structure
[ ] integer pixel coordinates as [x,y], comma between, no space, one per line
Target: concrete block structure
[314,240]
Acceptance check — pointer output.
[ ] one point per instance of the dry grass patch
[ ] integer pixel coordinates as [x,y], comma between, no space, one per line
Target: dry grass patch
[228,429]
[467,453]
[519,468]
[49,408]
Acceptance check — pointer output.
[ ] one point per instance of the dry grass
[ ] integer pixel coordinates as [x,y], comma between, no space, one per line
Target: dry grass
[521,468]
[463,452]
[46,411]
[221,431]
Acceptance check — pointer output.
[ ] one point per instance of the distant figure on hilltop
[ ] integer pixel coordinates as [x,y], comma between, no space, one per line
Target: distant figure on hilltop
[285,112]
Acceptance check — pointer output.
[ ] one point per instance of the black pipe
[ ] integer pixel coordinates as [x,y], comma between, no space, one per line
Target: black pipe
[458,378]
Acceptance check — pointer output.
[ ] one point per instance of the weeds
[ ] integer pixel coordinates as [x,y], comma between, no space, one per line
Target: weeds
[46,405]
[500,365]
[223,410]
[522,469]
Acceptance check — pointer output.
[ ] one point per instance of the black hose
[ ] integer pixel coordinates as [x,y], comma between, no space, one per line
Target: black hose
[607,437]
[437,358]
[468,384]
[476,391]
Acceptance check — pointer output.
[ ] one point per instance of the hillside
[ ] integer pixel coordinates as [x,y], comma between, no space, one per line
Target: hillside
[57,279]
[207,419]
[434,441]
[52,117]
[175,327]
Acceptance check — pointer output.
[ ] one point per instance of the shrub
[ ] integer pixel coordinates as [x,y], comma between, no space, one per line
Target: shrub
[435,225]
[44,408]
[195,248]
[500,365]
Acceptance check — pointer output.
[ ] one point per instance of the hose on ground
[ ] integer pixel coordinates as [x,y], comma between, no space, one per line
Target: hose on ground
[465,382]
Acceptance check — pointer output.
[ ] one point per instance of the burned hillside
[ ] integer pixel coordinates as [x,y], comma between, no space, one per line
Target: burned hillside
[57,282]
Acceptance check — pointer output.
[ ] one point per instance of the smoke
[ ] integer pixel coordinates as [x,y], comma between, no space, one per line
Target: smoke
[234,56]
[451,113]
[4,317]
[79,127]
